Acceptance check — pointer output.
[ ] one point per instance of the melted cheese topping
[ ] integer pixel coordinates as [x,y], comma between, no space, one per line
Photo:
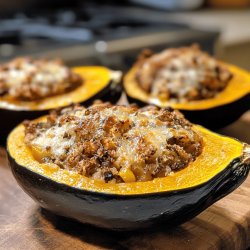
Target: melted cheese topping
[29,79]
[182,74]
[115,143]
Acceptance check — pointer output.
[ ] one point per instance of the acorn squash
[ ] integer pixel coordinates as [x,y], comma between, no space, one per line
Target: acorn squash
[213,113]
[222,166]
[99,83]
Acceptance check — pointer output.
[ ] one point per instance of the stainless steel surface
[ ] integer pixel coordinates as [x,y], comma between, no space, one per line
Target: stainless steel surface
[106,35]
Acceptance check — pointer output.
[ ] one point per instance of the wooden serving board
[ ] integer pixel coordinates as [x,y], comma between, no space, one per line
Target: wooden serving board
[23,225]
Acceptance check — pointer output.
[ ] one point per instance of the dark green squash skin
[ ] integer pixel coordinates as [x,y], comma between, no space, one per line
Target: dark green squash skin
[213,118]
[128,212]
[11,118]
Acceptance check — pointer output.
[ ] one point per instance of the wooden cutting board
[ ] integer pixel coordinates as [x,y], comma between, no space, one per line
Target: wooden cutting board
[23,225]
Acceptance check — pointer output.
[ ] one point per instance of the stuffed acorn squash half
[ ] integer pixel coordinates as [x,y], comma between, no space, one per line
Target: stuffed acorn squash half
[123,168]
[207,91]
[31,87]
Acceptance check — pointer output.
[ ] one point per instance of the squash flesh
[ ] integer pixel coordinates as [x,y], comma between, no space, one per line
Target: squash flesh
[39,153]
[237,88]
[217,154]
[127,175]
[95,79]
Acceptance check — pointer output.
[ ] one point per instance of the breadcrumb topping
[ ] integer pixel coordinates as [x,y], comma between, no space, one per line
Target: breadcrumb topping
[115,143]
[32,79]
[182,74]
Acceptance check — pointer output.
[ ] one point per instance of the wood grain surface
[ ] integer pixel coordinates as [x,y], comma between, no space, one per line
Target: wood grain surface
[23,225]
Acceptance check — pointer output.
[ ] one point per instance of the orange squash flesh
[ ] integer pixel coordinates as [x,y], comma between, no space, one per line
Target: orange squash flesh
[95,79]
[237,88]
[217,153]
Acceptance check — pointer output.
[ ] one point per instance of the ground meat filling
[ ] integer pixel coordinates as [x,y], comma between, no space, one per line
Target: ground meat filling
[115,143]
[29,79]
[181,75]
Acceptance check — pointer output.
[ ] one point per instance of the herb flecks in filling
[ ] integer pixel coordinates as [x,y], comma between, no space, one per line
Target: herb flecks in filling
[29,79]
[115,143]
[182,74]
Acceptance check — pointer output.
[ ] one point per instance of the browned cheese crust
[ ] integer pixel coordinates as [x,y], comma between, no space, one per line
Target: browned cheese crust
[181,74]
[29,79]
[116,143]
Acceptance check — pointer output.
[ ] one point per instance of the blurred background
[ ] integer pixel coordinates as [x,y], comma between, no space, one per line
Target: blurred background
[113,33]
